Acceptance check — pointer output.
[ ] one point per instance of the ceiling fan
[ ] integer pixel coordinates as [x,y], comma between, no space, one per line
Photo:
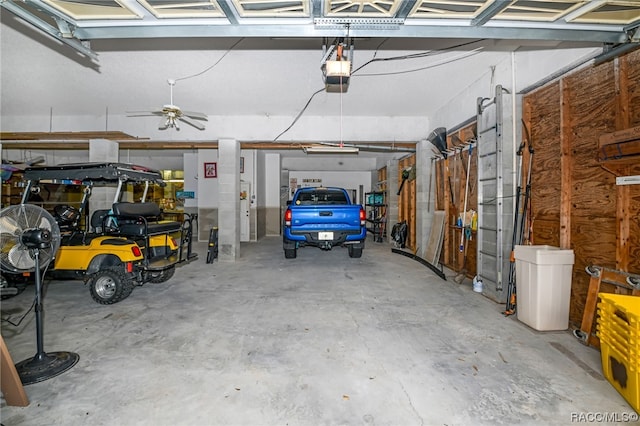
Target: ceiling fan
[172,115]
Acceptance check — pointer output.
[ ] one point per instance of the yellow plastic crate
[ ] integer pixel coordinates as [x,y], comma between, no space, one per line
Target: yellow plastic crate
[619,331]
[621,372]
[620,309]
[614,332]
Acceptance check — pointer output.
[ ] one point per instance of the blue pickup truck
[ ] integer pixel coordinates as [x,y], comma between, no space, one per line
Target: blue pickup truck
[325,218]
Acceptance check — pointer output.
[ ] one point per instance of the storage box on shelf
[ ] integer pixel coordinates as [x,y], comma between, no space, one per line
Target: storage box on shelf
[619,332]
[12,190]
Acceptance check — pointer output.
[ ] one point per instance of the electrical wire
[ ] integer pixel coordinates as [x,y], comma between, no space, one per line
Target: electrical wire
[374,59]
[466,55]
[210,67]
[17,324]
[415,55]
[375,53]
[295,120]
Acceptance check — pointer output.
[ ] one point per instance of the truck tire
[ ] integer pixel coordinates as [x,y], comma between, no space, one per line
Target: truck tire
[161,276]
[109,286]
[355,251]
[290,248]
[290,253]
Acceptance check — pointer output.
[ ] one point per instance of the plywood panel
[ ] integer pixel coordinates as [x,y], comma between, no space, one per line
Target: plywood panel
[634,227]
[633,79]
[544,128]
[407,199]
[593,232]
[580,108]
[459,162]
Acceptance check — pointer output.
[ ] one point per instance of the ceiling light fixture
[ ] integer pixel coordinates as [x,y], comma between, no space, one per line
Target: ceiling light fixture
[331,150]
[628,180]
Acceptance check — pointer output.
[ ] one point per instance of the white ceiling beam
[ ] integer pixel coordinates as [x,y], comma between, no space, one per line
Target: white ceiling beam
[77,44]
[440,29]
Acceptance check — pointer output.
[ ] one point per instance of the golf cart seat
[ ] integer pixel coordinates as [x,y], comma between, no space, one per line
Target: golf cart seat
[142,219]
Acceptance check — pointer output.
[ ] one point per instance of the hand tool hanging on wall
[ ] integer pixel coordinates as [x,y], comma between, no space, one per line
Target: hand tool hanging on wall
[439,177]
[455,179]
[431,171]
[439,139]
[405,175]
[466,195]
[519,219]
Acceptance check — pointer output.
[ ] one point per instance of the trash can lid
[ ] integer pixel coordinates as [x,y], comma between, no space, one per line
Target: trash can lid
[544,255]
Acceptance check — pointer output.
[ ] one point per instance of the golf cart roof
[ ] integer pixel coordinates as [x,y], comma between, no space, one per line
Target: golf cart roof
[84,173]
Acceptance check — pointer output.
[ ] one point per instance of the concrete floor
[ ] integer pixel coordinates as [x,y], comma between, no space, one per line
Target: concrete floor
[318,340]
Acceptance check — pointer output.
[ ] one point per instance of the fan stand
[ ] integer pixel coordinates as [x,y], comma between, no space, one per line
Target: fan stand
[43,366]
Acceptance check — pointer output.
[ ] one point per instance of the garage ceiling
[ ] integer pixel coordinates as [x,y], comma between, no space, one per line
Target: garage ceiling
[77,23]
[129,48]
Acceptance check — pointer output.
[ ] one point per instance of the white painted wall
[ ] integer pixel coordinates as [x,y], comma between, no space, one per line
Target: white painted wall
[272,180]
[346,180]
[208,192]
[514,72]
[190,168]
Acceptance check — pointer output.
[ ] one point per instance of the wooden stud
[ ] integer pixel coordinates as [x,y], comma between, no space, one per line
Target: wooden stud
[11,384]
[565,165]
[623,192]
[609,276]
[589,312]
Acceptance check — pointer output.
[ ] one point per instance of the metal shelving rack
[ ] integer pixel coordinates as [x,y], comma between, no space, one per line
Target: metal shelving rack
[376,210]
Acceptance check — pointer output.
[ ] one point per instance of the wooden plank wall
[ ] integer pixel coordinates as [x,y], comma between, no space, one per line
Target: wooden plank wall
[407,200]
[575,201]
[453,169]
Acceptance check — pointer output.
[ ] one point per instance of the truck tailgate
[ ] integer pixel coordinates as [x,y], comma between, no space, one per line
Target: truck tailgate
[330,217]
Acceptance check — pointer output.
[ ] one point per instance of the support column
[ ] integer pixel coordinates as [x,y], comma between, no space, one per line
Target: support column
[272,194]
[229,199]
[424,195]
[392,195]
[102,150]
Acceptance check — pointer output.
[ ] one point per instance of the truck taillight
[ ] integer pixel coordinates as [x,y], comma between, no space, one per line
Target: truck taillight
[363,217]
[136,251]
[287,217]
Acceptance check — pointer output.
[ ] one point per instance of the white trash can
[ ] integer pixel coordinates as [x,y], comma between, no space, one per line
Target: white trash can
[543,286]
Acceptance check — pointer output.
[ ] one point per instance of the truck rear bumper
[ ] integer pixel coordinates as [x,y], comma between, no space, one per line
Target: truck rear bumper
[322,239]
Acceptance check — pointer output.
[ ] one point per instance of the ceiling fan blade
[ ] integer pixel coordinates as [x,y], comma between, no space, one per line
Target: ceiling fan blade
[195,124]
[143,113]
[195,115]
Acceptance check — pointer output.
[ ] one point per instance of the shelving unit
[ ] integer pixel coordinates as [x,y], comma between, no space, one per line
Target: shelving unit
[376,211]
[12,190]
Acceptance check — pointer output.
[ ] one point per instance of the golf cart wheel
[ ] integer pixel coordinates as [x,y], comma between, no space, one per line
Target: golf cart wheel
[162,276]
[110,286]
